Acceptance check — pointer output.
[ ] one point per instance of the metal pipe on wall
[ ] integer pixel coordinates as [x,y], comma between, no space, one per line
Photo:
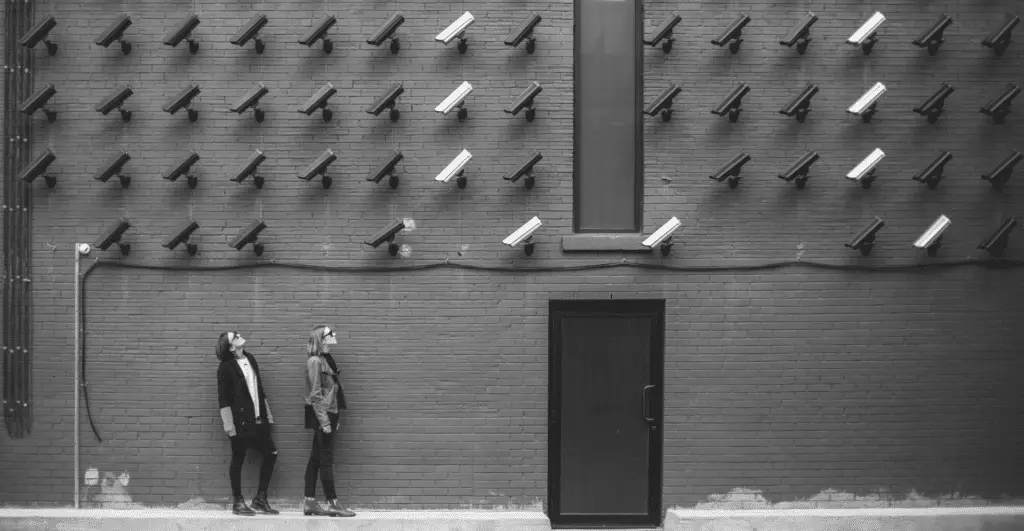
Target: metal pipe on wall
[26,212]
[80,249]
[7,302]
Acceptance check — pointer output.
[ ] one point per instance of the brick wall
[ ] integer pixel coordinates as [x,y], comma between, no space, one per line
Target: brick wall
[789,380]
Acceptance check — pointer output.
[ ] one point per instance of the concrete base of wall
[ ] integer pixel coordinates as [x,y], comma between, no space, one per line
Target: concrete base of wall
[883,519]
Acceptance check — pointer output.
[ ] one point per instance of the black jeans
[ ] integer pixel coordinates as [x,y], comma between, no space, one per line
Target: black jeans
[322,458]
[262,443]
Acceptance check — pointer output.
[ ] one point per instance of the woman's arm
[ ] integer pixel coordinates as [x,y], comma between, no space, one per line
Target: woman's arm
[316,394]
[225,395]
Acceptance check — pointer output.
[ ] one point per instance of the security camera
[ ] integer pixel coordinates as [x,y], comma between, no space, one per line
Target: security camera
[457,29]
[387,101]
[38,167]
[386,168]
[999,39]
[931,239]
[731,170]
[115,32]
[801,104]
[524,31]
[183,31]
[249,31]
[115,100]
[864,172]
[113,235]
[996,243]
[663,236]
[866,36]
[387,31]
[524,235]
[800,169]
[800,34]
[387,234]
[864,241]
[524,167]
[663,33]
[998,177]
[933,173]
[731,104]
[113,167]
[249,168]
[455,167]
[248,235]
[38,33]
[320,32]
[251,99]
[932,107]
[933,37]
[1000,107]
[663,103]
[732,33]
[319,101]
[183,100]
[525,100]
[181,237]
[319,167]
[182,167]
[38,101]
[455,99]
[865,105]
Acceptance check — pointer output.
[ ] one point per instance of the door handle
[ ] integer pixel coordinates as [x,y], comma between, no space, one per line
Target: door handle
[646,403]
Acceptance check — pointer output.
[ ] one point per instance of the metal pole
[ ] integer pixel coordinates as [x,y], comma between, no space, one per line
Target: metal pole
[79,247]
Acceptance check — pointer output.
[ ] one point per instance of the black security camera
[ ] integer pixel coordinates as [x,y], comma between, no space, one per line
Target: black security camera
[38,33]
[319,167]
[524,31]
[38,167]
[1000,107]
[183,31]
[387,101]
[386,168]
[318,32]
[933,37]
[319,101]
[996,243]
[183,100]
[800,34]
[933,173]
[181,237]
[524,167]
[387,31]
[387,234]
[38,101]
[732,34]
[183,167]
[251,99]
[800,169]
[663,33]
[248,235]
[732,102]
[115,32]
[999,39]
[115,100]
[864,241]
[731,170]
[998,176]
[250,31]
[663,103]
[113,235]
[113,166]
[801,104]
[525,100]
[249,168]
[932,107]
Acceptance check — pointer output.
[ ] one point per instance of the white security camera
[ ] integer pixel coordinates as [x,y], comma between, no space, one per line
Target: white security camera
[457,29]
[456,99]
[865,36]
[455,167]
[524,234]
[865,105]
[663,236]
[864,172]
[931,239]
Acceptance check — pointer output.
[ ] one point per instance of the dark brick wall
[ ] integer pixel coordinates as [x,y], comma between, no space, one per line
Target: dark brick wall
[789,380]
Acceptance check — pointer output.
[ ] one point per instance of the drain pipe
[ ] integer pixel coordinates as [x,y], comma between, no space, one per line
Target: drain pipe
[80,250]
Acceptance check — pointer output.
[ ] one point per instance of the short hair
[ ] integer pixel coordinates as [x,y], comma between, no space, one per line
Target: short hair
[315,345]
[224,348]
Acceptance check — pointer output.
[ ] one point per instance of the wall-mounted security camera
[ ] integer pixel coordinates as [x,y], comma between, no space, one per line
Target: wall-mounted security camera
[387,31]
[387,234]
[998,176]
[931,239]
[456,100]
[319,31]
[933,173]
[319,101]
[183,32]
[113,235]
[663,236]
[801,104]
[183,167]
[38,167]
[732,102]
[524,168]
[996,243]
[999,39]
[932,107]
[183,100]
[251,99]
[113,166]
[387,101]
[867,35]
[799,170]
[457,29]
[181,237]
[663,33]
[933,37]
[864,172]
[524,235]
[249,235]
[455,168]
[115,100]
[250,31]
[115,32]
[38,100]
[864,241]
[249,168]
[663,103]
[731,170]
[800,35]
[1000,107]
[525,100]
[39,32]
[319,167]
[732,34]
[386,168]
[524,31]
[865,106]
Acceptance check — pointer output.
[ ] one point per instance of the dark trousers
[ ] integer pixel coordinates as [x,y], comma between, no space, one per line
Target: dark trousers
[262,443]
[321,459]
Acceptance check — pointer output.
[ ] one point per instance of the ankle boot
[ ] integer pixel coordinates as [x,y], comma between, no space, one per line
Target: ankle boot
[241,508]
[334,510]
[312,508]
[261,505]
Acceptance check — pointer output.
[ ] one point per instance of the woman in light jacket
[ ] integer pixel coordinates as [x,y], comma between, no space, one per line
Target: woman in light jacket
[324,398]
